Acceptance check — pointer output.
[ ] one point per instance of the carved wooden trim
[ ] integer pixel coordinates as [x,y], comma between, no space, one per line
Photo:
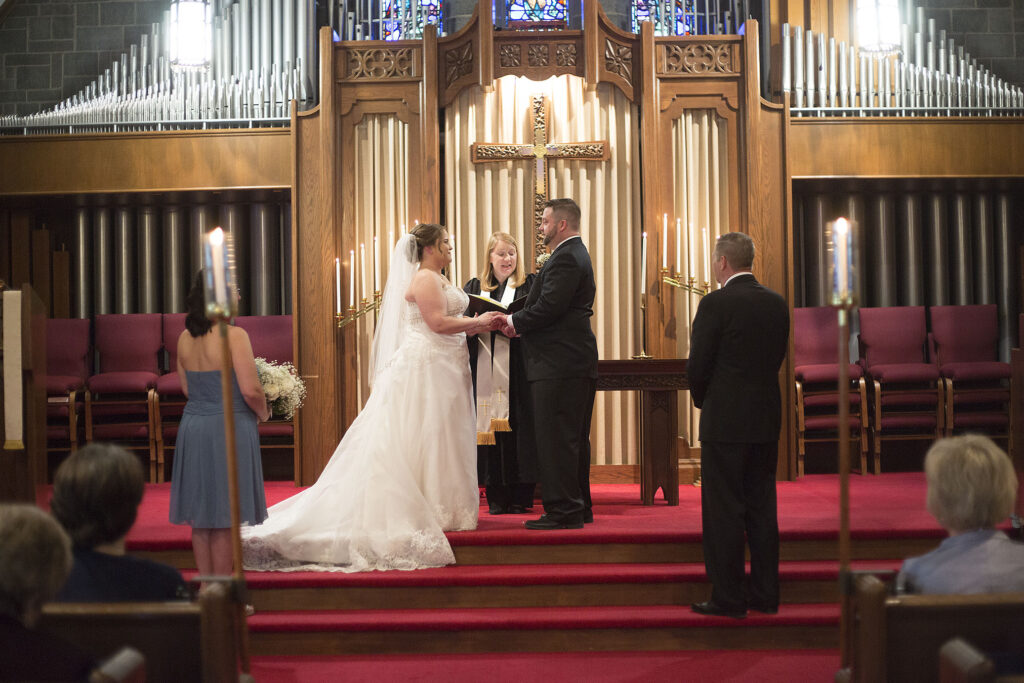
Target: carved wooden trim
[538,56]
[459,59]
[641,382]
[618,60]
[698,57]
[382,63]
[458,62]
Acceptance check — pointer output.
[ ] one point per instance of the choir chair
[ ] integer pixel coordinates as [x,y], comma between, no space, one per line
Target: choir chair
[169,399]
[67,368]
[271,337]
[816,368]
[977,391]
[119,398]
[906,393]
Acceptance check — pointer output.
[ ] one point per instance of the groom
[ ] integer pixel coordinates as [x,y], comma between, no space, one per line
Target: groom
[561,366]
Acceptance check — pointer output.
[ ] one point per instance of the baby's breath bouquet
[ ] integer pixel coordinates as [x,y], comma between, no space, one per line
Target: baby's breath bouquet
[283,387]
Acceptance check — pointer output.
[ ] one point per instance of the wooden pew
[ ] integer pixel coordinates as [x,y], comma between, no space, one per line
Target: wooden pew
[961,662]
[181,641]
[898,638]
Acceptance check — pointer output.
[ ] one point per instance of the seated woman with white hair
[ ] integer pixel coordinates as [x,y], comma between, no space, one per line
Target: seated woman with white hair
[971,488]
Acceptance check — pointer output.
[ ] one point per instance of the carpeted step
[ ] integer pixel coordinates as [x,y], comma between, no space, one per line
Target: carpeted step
[721,666]
[542,629]
[525,586]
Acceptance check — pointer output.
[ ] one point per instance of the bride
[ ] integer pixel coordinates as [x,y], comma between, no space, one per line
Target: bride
[405,471]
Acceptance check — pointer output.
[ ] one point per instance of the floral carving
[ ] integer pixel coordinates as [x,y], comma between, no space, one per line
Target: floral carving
[510,55]
[618,59]
[458,62]
[538,55]
[565,54]
[699,58]
[379,63]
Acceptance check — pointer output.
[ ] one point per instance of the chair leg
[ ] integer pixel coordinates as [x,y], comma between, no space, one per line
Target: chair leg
[153,473]
[800,456]
[88,416]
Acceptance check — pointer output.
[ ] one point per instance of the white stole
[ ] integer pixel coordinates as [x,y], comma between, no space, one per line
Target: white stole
[492,379]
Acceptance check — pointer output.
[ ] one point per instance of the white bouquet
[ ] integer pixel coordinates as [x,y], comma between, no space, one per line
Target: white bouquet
[283,387]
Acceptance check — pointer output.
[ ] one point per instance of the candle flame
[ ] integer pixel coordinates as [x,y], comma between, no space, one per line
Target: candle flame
[217,237]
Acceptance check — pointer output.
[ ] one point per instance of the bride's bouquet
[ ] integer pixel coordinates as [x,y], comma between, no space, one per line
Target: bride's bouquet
[283,387]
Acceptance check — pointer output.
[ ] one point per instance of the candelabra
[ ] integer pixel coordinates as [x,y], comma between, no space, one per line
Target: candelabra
[689,285]
[366,306]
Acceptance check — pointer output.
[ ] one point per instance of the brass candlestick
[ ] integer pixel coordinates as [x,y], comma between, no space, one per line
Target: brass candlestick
[366,306]
[690,284]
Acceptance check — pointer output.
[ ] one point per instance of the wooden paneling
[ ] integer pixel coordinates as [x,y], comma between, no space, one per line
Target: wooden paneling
[41,266]
[21,239]
[906,148]
[152,161]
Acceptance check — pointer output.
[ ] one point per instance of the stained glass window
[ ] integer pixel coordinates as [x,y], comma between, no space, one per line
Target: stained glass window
[683,21]
[405,19]
[537,10]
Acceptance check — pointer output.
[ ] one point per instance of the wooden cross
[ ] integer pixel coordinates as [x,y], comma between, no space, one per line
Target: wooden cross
[542,151]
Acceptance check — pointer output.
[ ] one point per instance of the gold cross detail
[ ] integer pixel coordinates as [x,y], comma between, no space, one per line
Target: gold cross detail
[542,151]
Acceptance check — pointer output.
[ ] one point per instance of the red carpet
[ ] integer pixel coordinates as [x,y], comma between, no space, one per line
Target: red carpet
[762,666]
[884,506]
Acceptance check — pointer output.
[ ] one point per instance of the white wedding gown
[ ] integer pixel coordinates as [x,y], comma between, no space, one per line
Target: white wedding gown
[404,473]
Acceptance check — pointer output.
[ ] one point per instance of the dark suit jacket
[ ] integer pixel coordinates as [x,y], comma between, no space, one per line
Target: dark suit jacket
[555,323]
[737,344]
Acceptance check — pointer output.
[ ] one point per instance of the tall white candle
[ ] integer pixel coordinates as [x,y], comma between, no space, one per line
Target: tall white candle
[691,252]
[220,294]
[664,231]
[362,269]
[679,245]
[337,286]
[707,254]
[841,256]
[643,264]
[376,264]
[664,250]
[351,278]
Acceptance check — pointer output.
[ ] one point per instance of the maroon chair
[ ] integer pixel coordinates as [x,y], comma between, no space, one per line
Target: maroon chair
[119,400]
[977,384]
[816,367]
[67,367]
[169,399]
[271,337]
[905,390]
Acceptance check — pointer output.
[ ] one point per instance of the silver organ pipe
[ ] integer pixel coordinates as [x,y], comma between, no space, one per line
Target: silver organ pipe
[930,76]
[263,51]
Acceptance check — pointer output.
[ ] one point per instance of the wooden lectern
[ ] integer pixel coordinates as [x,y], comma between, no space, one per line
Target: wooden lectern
[658,380]
[23,460]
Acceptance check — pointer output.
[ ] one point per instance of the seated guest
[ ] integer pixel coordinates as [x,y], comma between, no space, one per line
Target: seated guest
[35,557]
[96,495]
[971,488]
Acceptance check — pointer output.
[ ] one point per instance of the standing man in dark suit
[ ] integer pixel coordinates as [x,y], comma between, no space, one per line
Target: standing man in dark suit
[737,344]
[561,367]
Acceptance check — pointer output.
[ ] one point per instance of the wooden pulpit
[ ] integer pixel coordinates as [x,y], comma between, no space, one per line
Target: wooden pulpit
[23,352]
[658,380]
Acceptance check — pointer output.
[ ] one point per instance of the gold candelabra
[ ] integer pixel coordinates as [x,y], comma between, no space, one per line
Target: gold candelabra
[354,313]
[689,285]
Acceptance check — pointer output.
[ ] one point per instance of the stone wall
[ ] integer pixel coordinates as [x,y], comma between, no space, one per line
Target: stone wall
[990,30]
[49,50]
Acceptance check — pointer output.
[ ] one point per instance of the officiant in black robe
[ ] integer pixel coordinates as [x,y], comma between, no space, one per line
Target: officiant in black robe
[506,449]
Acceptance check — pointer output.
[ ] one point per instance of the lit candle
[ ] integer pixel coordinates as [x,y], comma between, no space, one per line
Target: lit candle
[376,265]
[391,241]
[840,256]
[362,268]
[351,278]
[665,242]
[707,254]
[691,252]
[643,264]
[337,285]
[679,245]
[220,293]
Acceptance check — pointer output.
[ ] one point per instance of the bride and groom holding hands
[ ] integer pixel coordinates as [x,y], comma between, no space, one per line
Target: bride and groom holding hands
[406,470]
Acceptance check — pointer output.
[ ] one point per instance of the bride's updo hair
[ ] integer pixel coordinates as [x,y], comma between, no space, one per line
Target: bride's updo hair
[427,235]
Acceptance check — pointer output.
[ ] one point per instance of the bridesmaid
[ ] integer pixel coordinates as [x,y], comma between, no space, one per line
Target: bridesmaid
[506,453]
[199,484]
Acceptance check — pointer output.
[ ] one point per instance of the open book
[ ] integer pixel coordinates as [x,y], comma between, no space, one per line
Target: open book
[479,305]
